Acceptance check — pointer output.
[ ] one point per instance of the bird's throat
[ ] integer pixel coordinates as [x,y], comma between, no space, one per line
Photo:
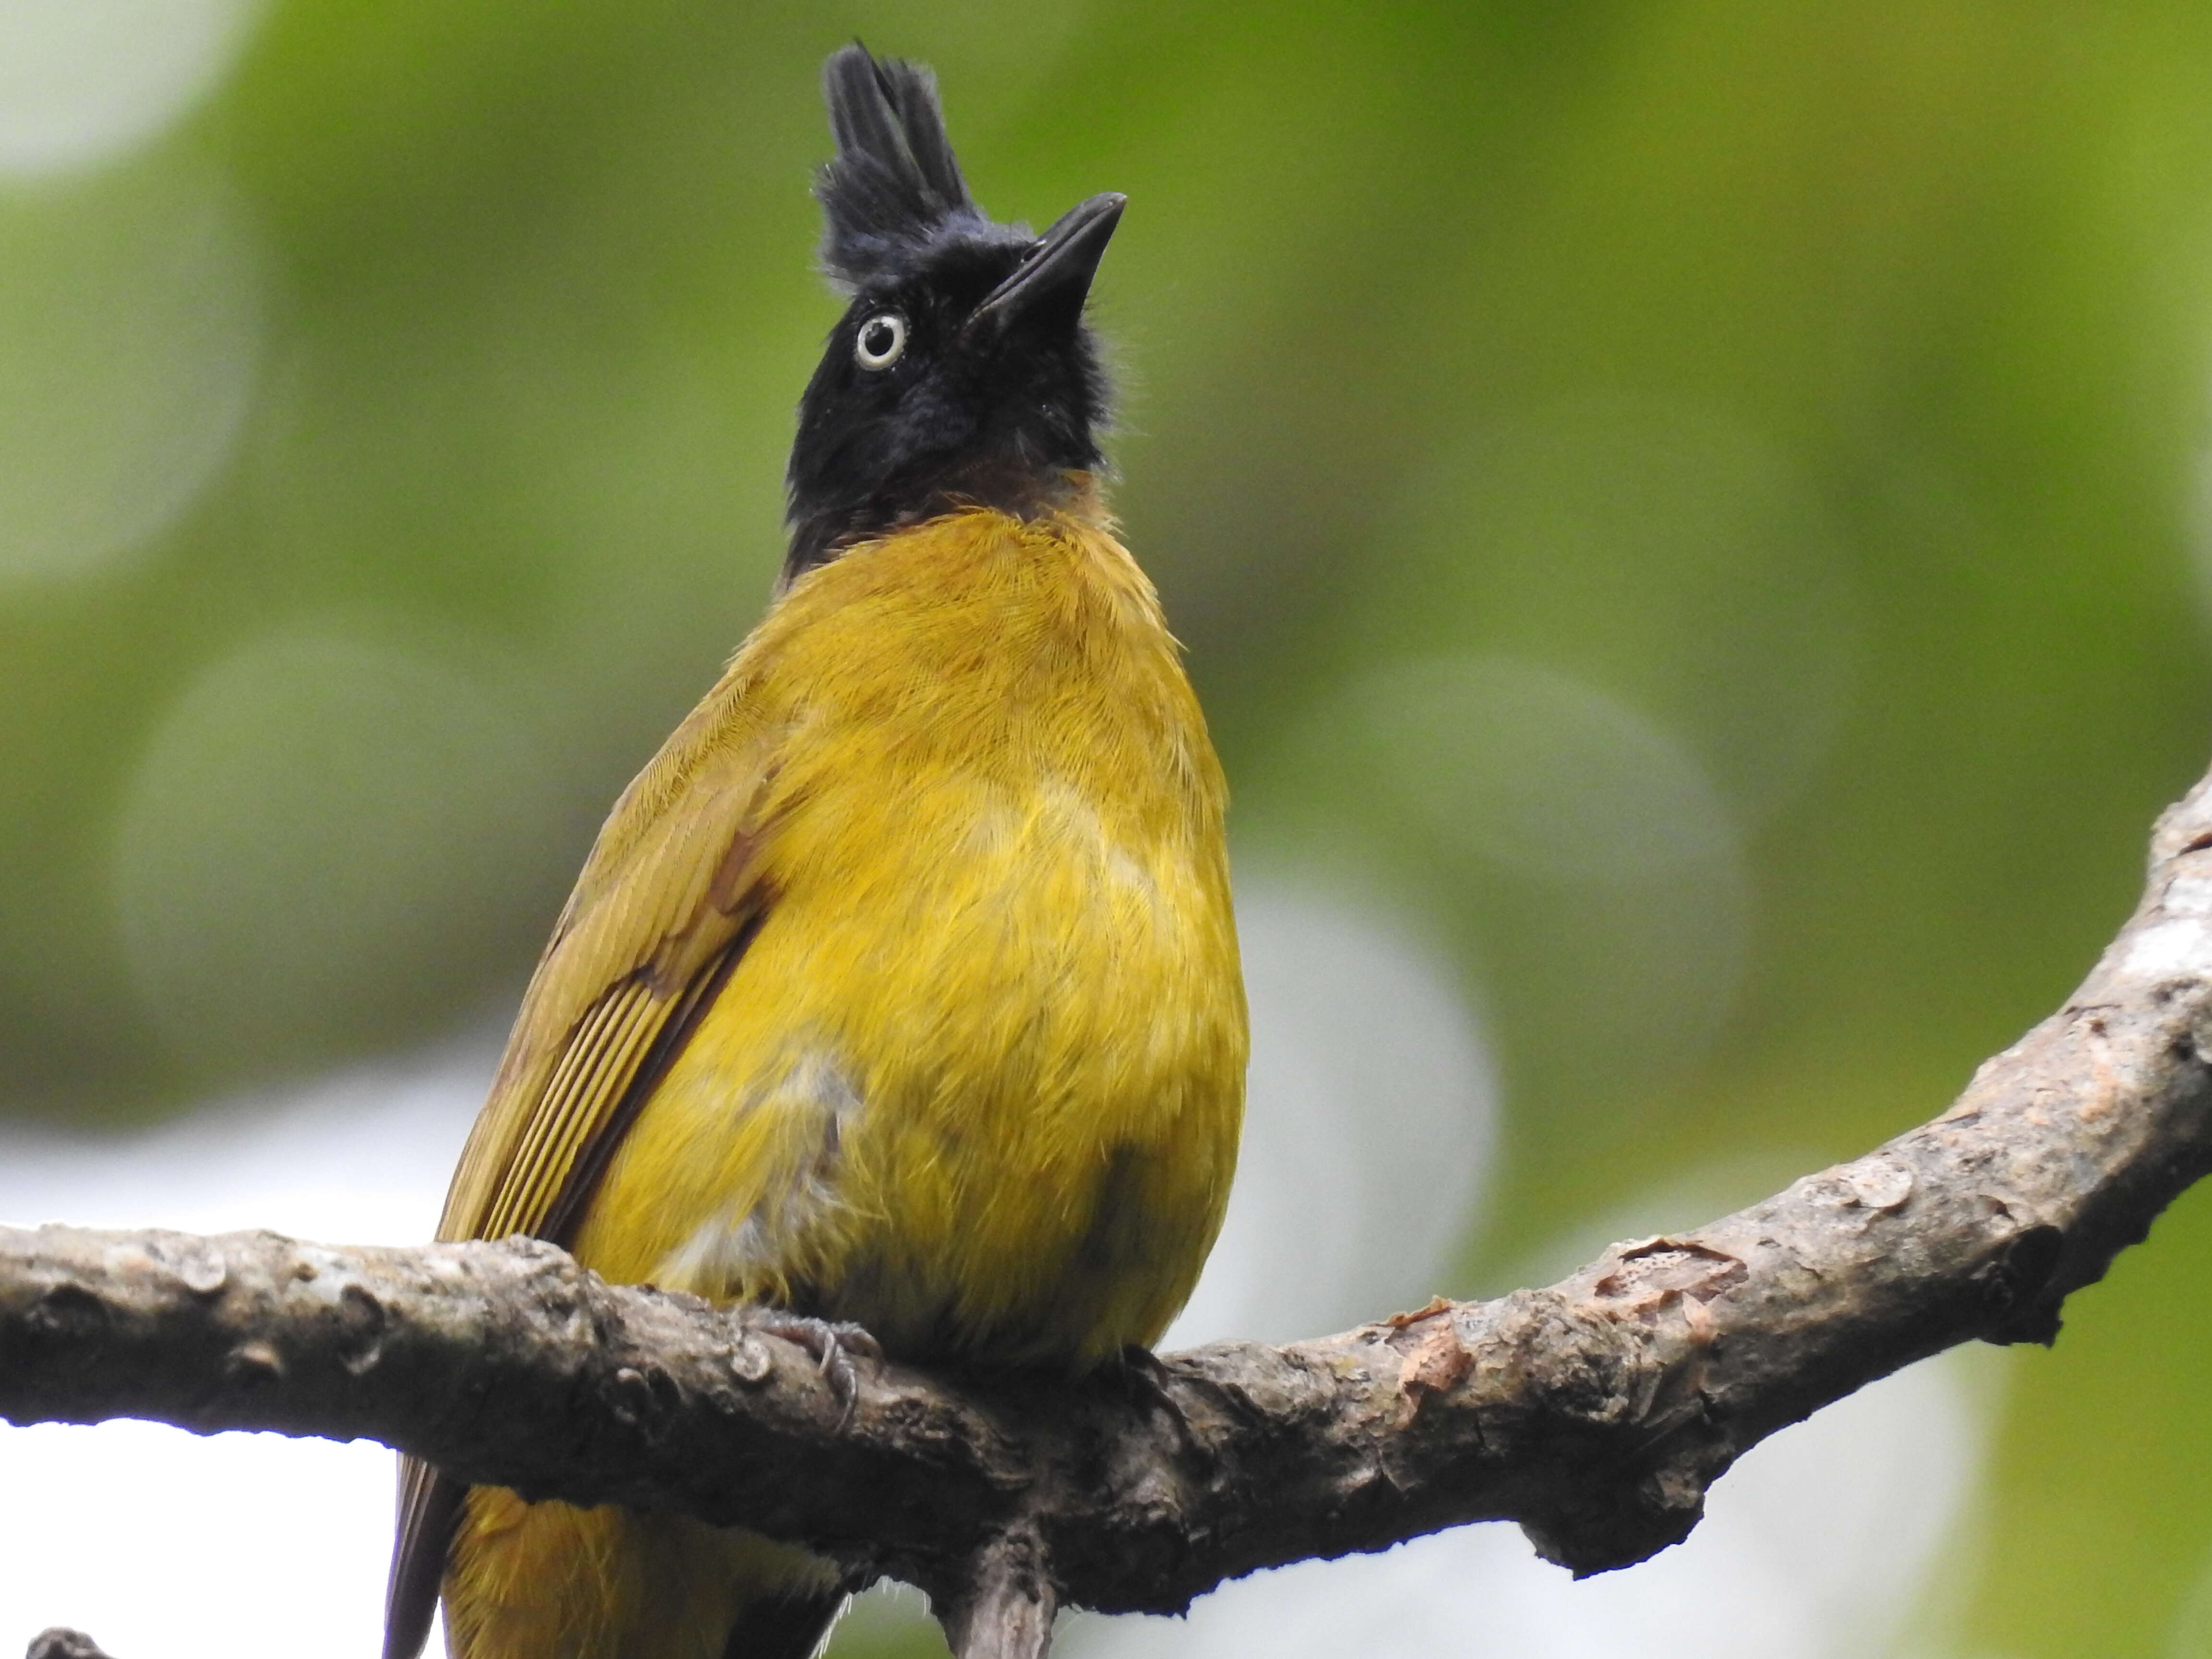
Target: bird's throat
[1018,488]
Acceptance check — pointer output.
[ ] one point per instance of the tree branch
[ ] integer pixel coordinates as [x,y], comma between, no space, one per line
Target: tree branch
[62,1643]
[1594,1413]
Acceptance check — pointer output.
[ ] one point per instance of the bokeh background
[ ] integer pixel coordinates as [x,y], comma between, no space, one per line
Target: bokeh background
[1690,522]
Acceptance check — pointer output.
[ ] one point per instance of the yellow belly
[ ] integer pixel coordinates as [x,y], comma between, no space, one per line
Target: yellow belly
[977,1083]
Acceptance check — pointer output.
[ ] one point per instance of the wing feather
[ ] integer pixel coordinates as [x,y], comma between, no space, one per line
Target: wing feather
[603,1057]
[669,887]
[664,909]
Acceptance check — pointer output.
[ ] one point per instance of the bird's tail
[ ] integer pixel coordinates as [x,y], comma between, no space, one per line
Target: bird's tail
[549,1581]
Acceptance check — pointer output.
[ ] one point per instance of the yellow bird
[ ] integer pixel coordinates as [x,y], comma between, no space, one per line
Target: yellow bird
[901,988]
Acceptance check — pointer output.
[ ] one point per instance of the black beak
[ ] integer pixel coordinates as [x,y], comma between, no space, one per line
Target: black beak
[1055,273]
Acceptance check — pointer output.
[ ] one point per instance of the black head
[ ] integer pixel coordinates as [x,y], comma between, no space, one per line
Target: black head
[962,371]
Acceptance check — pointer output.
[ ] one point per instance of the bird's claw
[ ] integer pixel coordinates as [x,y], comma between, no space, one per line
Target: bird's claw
[1141,1367]
[832,1342]
[1144,1381]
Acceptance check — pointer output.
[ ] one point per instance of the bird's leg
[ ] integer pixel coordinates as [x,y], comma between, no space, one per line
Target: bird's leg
[1144,1370]
[1143,1380]
[832,1342]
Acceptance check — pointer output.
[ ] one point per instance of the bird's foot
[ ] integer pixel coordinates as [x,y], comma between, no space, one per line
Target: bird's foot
[832,1342]
[1144,1380]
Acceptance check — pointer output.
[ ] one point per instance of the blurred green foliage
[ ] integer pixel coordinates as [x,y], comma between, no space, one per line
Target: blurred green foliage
[1698,500]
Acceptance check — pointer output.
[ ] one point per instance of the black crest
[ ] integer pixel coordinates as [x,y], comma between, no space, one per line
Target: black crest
[895,185]
[962,374]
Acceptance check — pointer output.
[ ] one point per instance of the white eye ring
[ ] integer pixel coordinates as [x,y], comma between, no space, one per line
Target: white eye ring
[881,341]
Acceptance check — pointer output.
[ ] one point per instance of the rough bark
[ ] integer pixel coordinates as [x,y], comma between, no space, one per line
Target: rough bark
[62,1643]
[1594,1413]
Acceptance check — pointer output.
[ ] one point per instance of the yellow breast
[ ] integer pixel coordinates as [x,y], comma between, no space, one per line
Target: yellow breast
[976,1081]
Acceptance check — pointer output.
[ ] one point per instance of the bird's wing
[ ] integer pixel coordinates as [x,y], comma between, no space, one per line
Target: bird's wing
[655,923]
[662,912]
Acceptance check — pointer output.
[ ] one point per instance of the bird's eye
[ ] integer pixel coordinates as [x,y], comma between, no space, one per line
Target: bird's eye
[882,341]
